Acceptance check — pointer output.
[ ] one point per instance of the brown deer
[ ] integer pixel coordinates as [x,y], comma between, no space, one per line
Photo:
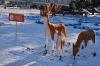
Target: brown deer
[50,27]
[83,36]
[60,43]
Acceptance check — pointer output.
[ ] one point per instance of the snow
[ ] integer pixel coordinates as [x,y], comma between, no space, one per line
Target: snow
[28,50]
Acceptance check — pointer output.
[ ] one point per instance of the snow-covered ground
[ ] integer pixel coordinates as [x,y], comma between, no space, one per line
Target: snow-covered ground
[28,50]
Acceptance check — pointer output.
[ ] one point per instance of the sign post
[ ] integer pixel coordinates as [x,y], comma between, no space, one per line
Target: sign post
[17,18]
[16,30]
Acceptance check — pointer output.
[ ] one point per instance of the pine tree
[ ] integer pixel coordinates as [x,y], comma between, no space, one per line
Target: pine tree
[71,5]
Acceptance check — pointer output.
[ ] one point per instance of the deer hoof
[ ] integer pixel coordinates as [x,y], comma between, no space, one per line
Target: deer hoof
[45,52]
[60,58]
[94,54]
[52,50]
[82,47]
[45,46]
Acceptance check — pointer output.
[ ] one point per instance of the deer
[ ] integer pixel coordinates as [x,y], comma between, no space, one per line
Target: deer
[60,43]
[84,36]
[50,28]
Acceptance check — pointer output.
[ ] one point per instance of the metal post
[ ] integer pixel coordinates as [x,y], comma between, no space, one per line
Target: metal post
[16,31]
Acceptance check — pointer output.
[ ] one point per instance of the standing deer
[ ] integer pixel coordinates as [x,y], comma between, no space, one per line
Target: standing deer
[50,27]
[83,36]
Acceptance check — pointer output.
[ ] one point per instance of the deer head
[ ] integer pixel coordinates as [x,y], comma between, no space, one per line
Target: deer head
[75,50]
[48,10]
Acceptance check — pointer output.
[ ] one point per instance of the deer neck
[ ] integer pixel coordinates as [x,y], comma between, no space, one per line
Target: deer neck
[46,22]
[47,25]
[78,42]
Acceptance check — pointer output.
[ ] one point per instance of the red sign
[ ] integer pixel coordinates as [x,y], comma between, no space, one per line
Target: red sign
[16,17]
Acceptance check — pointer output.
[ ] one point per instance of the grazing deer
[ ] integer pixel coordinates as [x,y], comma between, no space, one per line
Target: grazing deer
[60,43]
[83,36]
[50,27]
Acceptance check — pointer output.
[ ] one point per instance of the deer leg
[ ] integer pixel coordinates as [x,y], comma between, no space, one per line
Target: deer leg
[93,48]
[94,53]
[52,45]
[87,47]
[46,48]
[60,54]
[60,49]
[57,51]
[63,51]
[52,36]
[84,47]
[85,43]
[46,42]
[93,40]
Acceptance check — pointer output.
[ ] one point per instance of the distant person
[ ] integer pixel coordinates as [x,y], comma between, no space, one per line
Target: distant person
[5,6]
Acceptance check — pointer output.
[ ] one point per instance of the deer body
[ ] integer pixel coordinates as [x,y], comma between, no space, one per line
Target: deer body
[50,28]
[84,36]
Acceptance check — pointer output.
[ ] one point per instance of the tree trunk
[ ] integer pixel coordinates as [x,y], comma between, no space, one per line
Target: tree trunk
[93,11]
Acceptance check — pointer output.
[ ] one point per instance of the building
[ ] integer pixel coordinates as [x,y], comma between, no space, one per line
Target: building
[28,2]
[2,2]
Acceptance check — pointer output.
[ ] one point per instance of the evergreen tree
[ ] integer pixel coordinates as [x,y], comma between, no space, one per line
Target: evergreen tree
[71,5]
[93,5]
[81,4]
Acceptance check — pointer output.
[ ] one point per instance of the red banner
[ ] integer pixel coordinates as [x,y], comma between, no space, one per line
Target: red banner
[16,17]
